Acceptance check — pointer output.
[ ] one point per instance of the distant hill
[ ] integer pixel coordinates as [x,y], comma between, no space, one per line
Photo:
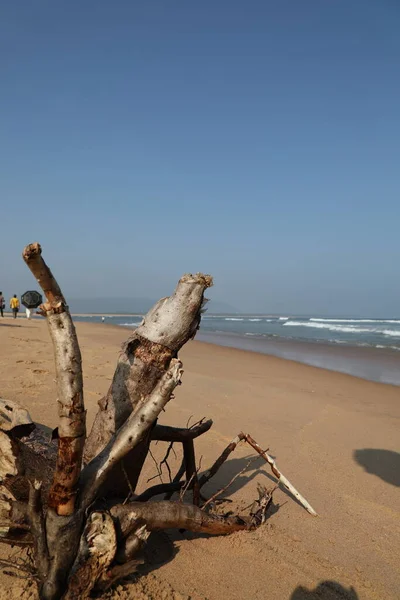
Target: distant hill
[132,305]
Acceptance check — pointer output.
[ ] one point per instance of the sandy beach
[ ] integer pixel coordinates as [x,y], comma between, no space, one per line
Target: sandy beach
[336,437]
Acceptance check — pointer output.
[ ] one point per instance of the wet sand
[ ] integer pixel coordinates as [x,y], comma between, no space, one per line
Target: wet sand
[336,437]
[381,365]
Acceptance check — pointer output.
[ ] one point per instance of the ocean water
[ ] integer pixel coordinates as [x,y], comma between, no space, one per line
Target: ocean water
[377,333]
[368,348]
[374,333]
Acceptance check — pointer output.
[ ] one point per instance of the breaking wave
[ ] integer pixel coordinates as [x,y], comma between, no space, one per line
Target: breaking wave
[391,332]
[396,321]
[343,328]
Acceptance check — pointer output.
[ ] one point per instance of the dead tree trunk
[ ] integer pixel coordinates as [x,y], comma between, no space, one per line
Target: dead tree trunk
[145,358]
[67,496]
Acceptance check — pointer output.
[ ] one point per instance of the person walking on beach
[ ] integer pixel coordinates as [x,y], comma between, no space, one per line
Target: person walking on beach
[29,313]
[2,304]
[14,305]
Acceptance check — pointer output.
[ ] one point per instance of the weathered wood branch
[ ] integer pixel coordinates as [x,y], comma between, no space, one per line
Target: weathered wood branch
[164,433]
[32,256]
[144,360]
[168,515]
[26,454]
[191,470]
[126,561]
[176,481]
[160,488]
[63,537]
[220,460]
[84,539]
[281,478]
[68,364]
[97,549]
[14,417]
[228,485]
[130,434]
[38,530]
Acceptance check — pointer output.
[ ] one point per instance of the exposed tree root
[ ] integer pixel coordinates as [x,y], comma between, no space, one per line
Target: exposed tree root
[71,499]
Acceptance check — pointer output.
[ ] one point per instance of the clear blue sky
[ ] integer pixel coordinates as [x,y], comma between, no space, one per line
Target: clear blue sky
[258,141]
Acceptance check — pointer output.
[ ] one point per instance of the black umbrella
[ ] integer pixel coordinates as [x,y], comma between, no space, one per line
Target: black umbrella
[31,299]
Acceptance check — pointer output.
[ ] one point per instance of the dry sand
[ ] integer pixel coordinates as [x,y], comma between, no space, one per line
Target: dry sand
[334,436]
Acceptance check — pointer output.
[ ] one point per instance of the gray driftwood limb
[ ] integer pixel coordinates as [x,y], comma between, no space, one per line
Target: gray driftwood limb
[96,551]
[130,434]
[68,364]
[144,359]
[85,534]
[38,530]
[168,515]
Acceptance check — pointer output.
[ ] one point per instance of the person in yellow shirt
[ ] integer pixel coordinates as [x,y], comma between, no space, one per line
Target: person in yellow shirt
[14,305]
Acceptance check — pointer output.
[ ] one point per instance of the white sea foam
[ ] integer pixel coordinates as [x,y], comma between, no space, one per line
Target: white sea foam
[283,318]
[388,347]
[254,319]
[328,326]
[233,319]
[343,328]
[135,324]
[391,332]
[395,321]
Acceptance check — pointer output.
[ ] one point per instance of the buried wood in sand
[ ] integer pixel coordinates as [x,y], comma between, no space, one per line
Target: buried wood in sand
[72,498]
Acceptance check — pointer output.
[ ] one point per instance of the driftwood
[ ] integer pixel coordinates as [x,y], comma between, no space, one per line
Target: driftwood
[68,363]
[72,496]
[144,359]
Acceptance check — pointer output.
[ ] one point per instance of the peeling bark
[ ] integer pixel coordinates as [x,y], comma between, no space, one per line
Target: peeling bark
[63,537]
[168,515]
[14,417]
[126,561]
[144,359]
[36,456]
[68,363]
[130,434]
[26,454]
[83,539]
[38,530]
[97,549]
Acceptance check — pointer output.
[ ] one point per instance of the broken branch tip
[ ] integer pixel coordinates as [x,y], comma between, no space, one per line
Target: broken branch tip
[32,250]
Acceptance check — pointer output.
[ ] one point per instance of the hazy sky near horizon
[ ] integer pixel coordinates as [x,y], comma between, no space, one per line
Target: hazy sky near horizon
[258,141]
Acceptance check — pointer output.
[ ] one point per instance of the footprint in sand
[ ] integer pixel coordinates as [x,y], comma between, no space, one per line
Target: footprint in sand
[97,367]
[32,340]
[28,362]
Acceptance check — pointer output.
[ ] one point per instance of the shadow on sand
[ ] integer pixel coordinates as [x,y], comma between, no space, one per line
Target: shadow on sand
[232,467]
[383,463]
[326,590]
